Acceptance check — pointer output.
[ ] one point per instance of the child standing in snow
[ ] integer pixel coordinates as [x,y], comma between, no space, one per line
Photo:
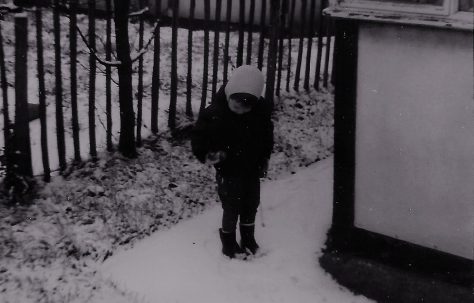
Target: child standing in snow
[235,134]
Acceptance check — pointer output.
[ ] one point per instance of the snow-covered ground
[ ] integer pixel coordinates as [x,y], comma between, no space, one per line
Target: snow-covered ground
[184,264]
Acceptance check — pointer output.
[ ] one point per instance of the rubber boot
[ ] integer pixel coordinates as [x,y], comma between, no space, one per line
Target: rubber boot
[230,247]
[247,242]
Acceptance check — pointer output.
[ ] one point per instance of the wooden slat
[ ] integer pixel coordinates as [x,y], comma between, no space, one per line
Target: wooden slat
[189,78]
[250,32]
[92,78]
[58,88]
[290,34]
[42,95]
[226,43]
[301,45]
[155,82]
[215,61]
[108,74]
[174,67]
[261,42]
[312,12]
[7,126]
[240,45]
[206,55]
[73,77]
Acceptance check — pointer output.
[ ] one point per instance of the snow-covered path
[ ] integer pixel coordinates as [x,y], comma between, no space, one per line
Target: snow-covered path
[184,264]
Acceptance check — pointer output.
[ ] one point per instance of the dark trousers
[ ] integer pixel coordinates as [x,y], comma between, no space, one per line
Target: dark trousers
[240,197]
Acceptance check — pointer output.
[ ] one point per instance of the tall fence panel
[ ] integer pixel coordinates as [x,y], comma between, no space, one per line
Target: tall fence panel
[293,42]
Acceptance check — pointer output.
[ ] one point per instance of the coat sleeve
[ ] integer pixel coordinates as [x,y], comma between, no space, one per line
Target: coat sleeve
[204,134]
[201,136]
[268,139]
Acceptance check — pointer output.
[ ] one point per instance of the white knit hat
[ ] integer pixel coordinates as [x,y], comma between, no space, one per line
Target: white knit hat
[245,79]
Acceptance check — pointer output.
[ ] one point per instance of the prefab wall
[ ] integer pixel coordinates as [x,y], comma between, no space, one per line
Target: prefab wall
[415,136]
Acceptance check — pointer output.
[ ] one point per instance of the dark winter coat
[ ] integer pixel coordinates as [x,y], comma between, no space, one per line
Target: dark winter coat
[247,139]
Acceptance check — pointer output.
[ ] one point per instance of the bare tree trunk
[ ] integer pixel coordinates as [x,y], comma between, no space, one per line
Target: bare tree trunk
[140,79]
[174,67]
[271,65]
[127,115]
[250,32]
[261,42]
[108,74]
[296,85]
[240,46]
[290,34]
[189,80]
[73,75]
[59,88]
[155,84]
[42,96]
[226,43]
[215,61]
[206,55]
[310,44]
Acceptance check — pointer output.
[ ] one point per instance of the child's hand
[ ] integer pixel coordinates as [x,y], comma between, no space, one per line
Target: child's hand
[263,169]
[215,157]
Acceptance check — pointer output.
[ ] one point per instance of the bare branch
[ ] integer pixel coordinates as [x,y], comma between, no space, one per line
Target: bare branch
[145,48]
[93,51]
[140,12]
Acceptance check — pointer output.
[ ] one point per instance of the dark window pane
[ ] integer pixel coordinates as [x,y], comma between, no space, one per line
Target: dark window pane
[466,5]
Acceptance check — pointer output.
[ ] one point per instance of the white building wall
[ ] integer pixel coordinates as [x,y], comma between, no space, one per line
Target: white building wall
[184,9]
[415,136]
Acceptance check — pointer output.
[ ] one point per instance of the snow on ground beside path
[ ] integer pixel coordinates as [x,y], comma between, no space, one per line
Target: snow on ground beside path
[184,264]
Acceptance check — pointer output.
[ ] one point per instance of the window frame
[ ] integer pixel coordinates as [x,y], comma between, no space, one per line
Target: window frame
[460,15]
[397,7]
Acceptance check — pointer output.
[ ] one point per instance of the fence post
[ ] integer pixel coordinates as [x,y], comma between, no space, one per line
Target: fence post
[140,78]
[296,85]
[328,53]
[42,95]
[317,71]
[290,34]
[280,44]
[59,88]
[226,43]
[215,61]
[271,65]
[261,42]
[108,74]
[189,79]
[155,83]
[250,31]
[240,45]
[22,149]
[7,126]
[174,67]
[92,76]
[206,55]
[312,11]
[73,73]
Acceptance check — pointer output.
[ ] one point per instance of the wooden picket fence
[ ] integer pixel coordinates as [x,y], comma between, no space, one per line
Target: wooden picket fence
[275,35]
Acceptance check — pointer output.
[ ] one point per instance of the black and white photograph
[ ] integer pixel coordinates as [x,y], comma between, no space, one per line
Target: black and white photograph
[237,151]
